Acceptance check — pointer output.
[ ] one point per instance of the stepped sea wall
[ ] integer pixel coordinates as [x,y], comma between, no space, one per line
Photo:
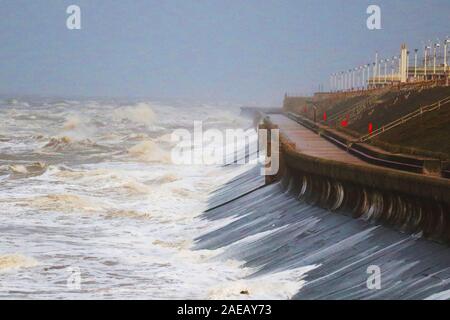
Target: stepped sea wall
[409,202]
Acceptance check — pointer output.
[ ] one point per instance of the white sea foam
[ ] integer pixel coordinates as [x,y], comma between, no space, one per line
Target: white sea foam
[16,261]
[125,216]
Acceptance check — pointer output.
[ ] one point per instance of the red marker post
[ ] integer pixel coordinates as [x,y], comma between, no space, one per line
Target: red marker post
[370,127]
[324,116]
[344,123]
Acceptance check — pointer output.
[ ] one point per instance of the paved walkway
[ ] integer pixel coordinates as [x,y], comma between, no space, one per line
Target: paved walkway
[311,143]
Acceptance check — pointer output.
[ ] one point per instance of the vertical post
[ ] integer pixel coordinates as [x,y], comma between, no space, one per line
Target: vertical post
[425,62]
[407,66]
[368,76]
[363,71]
[434,58]
[415,64]
[385,70]
[403,64]
[375,65]
[339,81]
[379,69]
[392,70]
[353,78]
[445,54]
[345,80]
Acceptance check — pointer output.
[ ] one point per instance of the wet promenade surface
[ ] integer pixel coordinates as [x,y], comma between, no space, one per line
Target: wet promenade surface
[311,143]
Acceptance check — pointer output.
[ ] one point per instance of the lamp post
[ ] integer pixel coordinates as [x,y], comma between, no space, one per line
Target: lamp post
[425,62]
[363,71]
[347,86]
[374,74]
[415,64]
[352,84]
[375,65]
[361,76]
[334,82]
[379,69]
[392,70]
[436,46]
[407,66]
[445,53]
[385,70]
[349,80]
[368,75]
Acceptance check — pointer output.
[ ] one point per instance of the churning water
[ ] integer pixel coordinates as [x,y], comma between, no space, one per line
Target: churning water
[92,207]
[89,186]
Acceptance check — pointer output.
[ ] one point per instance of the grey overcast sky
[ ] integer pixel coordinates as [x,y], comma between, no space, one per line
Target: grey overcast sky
[246,51]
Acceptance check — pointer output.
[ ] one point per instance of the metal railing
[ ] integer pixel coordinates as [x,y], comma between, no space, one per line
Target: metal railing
[405,119]
[354,109]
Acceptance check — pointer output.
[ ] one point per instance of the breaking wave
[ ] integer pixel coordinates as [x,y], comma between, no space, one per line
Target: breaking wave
[149,151]
[15,261]
[141,113]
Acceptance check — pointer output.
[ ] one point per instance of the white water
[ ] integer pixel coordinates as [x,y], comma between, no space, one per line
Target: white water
[89,185]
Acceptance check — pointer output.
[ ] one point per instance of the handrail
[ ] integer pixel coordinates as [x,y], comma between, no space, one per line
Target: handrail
[355,107]
[409,164]
[405,119]
[351,108]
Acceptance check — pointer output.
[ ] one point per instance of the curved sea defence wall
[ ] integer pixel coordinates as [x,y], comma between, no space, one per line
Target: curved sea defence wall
[409,202]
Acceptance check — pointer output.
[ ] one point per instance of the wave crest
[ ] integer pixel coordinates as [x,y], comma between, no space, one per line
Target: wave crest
[16,261]
[141,113]
[149,151]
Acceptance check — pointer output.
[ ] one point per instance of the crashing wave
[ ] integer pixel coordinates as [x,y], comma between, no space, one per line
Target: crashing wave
[15,261]
[67,203]
[30,169]
[141,113]
[66,143]
[149,151]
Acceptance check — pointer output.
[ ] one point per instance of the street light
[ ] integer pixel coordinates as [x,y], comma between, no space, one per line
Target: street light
[336,85]
[407,65]
[358,72]
[364,75]
[368,75]
[385,70]
[436,47]
[347,76]
[352,79]
[415,63]
[374,73]
[349,80]
[425,62]
[375,64]
[392,70]
[338,81]
[445,53]
[379,68]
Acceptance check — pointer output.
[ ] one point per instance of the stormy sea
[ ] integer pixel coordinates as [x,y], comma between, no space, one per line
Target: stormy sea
[87,189]
[92,207]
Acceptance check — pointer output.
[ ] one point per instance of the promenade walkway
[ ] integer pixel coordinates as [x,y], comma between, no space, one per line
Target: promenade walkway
[310,143]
